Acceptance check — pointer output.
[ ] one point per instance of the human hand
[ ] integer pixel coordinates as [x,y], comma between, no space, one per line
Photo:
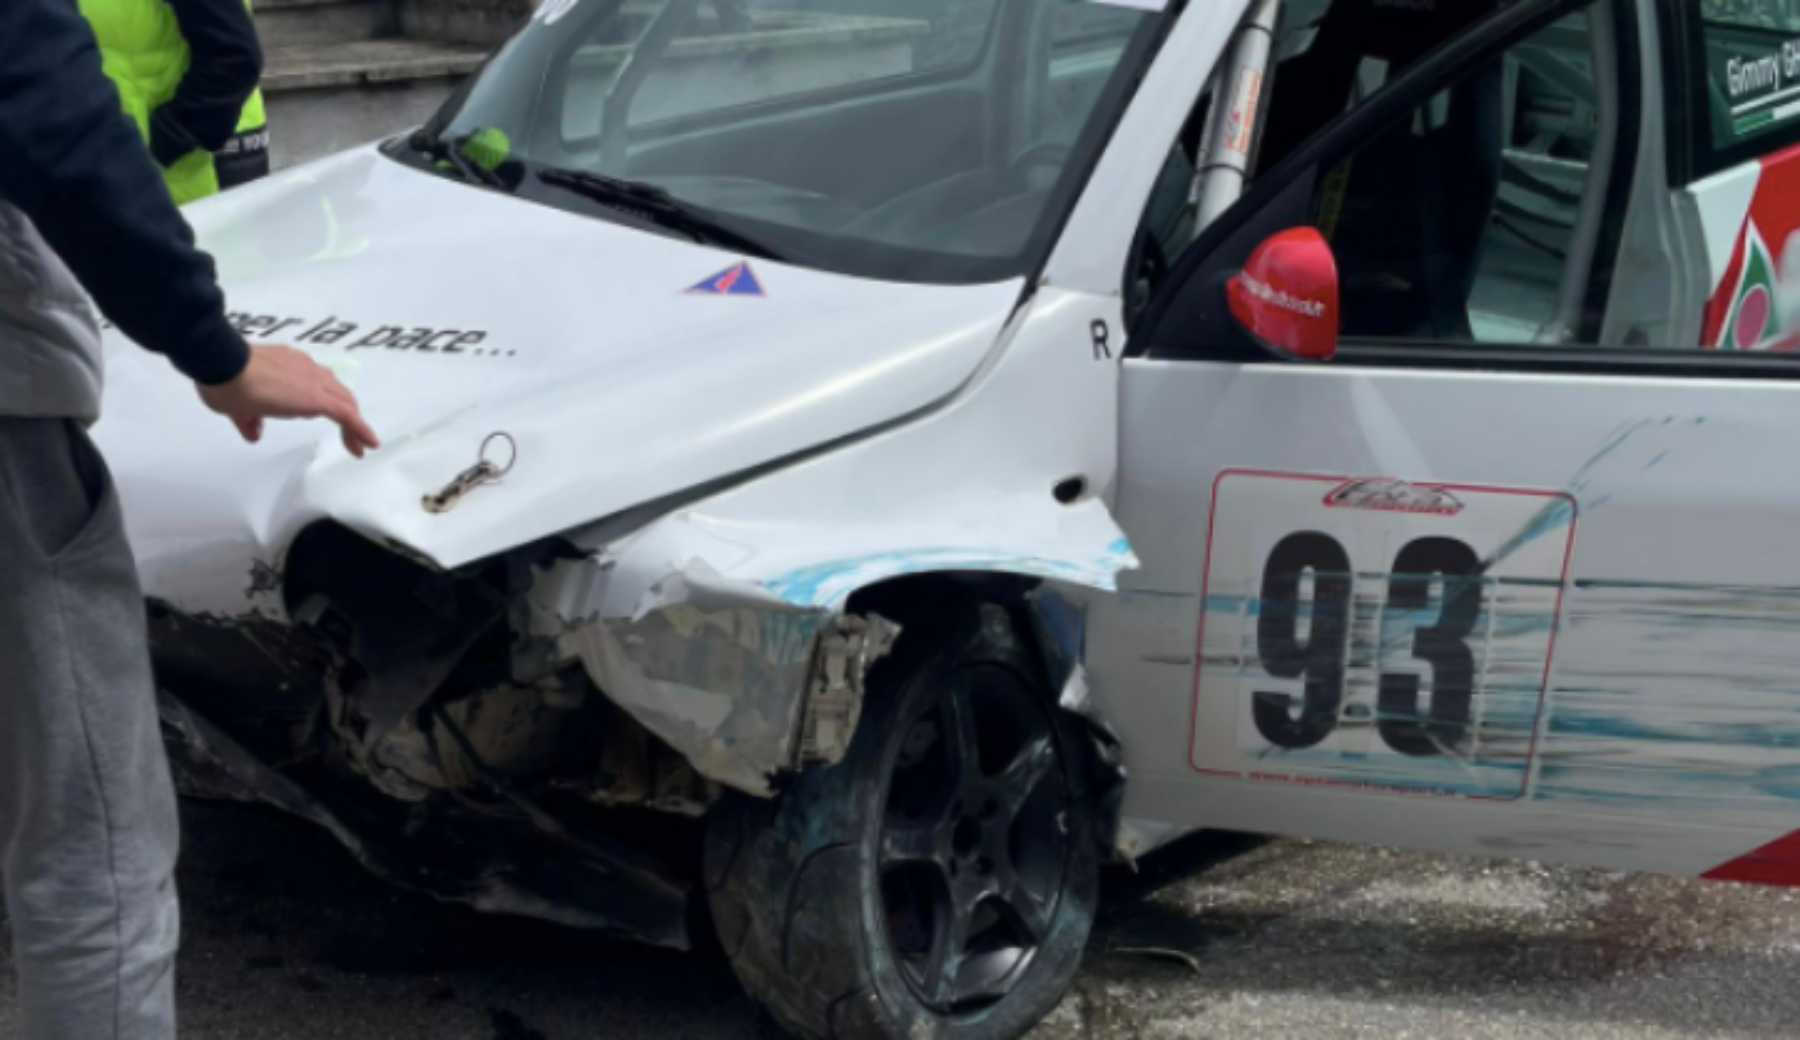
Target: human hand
[284,383]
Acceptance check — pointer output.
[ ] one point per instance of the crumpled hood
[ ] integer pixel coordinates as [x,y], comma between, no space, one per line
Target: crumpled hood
[455,313]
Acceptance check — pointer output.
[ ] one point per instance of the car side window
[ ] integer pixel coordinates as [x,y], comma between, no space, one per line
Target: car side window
[1459,220]
[1457,223]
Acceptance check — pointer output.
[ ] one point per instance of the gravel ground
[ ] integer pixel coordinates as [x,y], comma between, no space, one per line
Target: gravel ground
[1222,937]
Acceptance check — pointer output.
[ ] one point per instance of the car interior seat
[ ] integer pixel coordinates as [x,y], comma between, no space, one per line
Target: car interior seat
[1409,222]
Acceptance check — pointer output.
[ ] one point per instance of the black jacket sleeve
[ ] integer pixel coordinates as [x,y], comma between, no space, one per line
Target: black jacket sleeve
[73,162]
[224,67]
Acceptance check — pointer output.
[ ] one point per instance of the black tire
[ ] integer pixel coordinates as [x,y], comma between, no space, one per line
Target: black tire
[831,923]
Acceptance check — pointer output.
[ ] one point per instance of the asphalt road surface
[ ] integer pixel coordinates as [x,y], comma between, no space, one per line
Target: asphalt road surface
[1223,937]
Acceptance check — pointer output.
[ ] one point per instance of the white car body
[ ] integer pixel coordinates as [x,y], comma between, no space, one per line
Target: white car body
[730,470]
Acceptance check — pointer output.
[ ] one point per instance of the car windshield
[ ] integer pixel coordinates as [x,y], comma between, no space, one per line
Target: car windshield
[936,141]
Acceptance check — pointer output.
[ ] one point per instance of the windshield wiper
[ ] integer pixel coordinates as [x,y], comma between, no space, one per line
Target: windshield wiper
[658,206]
[443,150]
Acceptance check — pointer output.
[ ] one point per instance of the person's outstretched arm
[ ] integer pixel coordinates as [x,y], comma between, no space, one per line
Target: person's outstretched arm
[72,162]
[224,65]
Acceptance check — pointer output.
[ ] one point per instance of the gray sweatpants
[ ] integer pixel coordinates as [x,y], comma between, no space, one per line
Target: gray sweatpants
[88,831]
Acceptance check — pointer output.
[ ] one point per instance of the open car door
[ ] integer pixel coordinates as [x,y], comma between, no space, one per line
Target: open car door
[1508,575]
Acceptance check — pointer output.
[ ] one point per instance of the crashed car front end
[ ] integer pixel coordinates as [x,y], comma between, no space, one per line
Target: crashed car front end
[654,503]
[528,733]
[512,691]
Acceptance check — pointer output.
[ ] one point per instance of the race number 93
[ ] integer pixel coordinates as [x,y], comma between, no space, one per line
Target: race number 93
[1320,659]
[1377,631]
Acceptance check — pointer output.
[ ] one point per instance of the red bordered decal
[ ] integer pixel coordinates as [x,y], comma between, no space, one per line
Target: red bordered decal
[1393,496]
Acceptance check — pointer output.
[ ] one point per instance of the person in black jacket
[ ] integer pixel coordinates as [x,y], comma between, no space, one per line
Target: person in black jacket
[88,833]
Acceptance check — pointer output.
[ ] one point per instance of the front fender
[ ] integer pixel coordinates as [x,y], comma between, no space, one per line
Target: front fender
[719,644]
[719,626]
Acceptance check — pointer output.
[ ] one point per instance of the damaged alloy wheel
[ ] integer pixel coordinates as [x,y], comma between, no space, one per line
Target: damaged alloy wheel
[940,881]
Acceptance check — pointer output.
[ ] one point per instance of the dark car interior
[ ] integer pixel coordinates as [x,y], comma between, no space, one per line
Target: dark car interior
[1408,217]
[1450,224]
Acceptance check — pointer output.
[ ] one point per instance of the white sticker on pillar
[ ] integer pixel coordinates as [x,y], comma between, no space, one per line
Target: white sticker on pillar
[1241,116]
[1378,634]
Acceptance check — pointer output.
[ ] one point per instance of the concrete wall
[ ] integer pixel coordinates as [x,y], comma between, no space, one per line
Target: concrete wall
[485,23]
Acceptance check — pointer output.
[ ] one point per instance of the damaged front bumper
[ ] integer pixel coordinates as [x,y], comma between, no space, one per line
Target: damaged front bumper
[487,864]
[415,715]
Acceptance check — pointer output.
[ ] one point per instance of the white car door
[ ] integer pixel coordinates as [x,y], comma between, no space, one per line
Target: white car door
[1498,579]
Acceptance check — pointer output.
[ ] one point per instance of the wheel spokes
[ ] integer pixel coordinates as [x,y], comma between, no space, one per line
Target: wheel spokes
[1030,913]
[973,846]
[913,841]
[949,954]
[961,745]
[1015,784]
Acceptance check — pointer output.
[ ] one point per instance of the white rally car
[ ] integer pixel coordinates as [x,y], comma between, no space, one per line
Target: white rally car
[856,466]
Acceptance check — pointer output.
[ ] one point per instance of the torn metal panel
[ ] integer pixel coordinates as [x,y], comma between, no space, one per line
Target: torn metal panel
[1139,838]
[835,698]
[510,870]
[1123,838]
[638,770]
[512,729]
[718,670]
[410,625]
[1109,775]
[258,666]
[1060,624]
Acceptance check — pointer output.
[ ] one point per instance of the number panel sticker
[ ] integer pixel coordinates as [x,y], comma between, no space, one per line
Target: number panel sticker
[1375,633]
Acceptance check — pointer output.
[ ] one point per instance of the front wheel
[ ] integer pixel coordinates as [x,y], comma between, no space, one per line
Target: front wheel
[941,880]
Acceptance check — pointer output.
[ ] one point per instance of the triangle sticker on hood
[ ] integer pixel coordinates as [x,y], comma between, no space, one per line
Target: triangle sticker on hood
[736,280]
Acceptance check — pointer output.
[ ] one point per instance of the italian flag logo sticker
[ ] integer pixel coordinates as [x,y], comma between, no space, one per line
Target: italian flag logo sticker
[1753,319]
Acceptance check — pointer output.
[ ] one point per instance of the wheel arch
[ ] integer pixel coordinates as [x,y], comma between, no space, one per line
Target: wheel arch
[1051,621]
[746,653]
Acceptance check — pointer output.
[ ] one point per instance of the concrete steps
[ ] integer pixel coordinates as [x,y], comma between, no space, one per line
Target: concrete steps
[283,23]
[339,73]
[320,66]
[326,97]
